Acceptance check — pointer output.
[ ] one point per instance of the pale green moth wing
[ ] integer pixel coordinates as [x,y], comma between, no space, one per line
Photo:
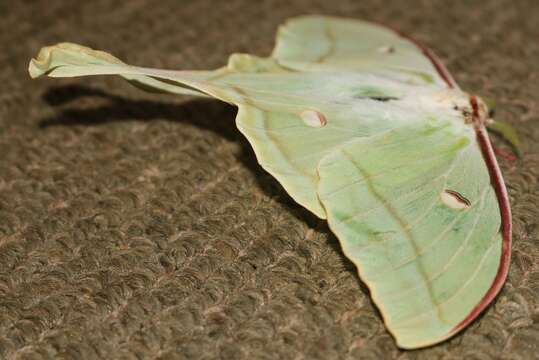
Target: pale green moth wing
[364,127]
[394,199]
[274,105]
[322,43]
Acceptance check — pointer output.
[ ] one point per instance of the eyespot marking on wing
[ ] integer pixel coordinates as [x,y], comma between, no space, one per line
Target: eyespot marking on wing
[389,49]
[313,118]
[454,200]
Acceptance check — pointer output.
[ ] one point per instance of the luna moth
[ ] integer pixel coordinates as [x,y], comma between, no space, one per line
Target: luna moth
[366,128]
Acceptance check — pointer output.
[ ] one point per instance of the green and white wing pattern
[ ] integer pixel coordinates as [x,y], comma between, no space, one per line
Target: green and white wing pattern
[415,211]
[323,43]
[290,148]
[272,105]
[359,125]
[68,60]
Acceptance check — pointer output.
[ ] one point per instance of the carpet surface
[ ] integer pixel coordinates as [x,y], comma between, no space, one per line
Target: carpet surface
[139,226]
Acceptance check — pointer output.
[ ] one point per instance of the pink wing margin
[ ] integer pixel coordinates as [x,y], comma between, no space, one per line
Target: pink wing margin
[496,180]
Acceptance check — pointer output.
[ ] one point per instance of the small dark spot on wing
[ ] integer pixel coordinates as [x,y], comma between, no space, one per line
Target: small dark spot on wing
[383,98]
[378,98]
[390,49]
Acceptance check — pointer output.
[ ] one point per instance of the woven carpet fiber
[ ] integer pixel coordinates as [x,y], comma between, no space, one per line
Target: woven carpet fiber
[138,226]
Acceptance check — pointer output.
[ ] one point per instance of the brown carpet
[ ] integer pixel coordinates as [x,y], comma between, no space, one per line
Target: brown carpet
[139,226]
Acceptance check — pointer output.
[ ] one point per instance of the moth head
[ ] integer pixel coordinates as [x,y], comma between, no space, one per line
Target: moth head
[484,112]
[460,102]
